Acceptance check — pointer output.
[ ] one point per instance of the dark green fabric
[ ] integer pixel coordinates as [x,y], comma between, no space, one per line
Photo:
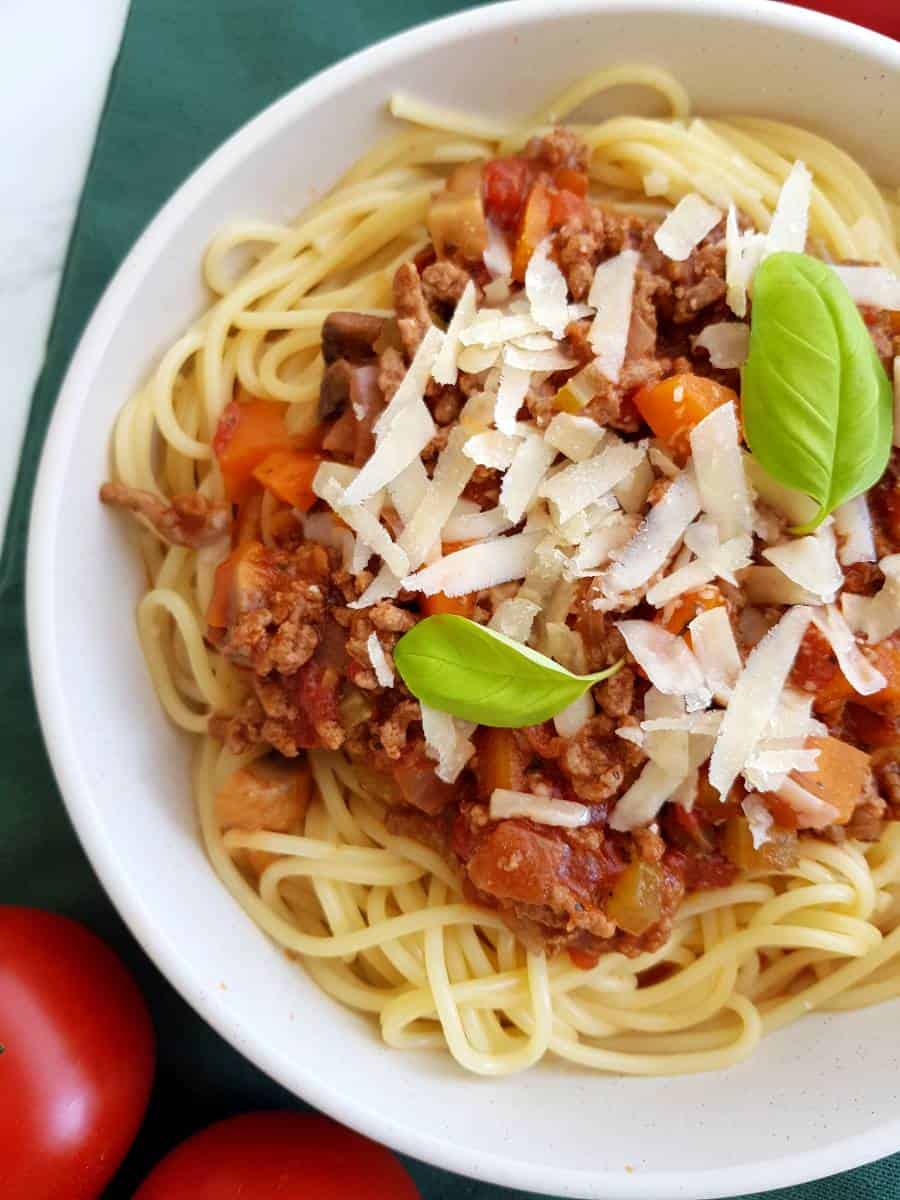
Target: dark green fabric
[189,72]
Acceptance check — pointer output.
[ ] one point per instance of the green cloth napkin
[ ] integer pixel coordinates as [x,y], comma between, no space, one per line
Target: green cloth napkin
[189,72]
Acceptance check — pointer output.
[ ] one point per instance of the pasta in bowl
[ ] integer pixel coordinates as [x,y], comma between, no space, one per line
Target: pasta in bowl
[524,559]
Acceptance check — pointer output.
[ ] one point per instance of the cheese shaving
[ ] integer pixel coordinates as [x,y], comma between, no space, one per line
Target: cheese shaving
[790,221]
[853,525]
[401,444]
[543,810]
[612,295]
[657,537]
[445,369]
[719,470]
[667,747]
[715,648]
[365,524]
[727,343]
[525,474]
[811,562]
[755,696]
[472,527]
[632,492]
[878,616]
[407,490]
[759,819]
[667,661]
[643,800]
[496,255]
[547,290]
[475,359]
[384,672]
[661,462]
[514,618]
[447,741]
[581,484]
[686,226]
[768,585]
[485,565]
[512,390]
[595,549]
[568,722]
[413,384]
[876,287]
[575,437]
[862,676]
[811,812]
[492,449]
[384,586]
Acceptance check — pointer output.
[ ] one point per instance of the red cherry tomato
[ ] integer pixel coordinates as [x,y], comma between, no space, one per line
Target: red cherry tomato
[278,1156]
[78,1057]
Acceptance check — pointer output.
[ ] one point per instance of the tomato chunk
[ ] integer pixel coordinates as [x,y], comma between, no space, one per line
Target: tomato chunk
[505,185]
[248,431]
[534,227]
[673,407]
[289,474]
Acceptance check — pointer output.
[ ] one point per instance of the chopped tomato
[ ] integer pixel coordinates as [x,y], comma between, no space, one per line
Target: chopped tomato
[894,318]
[505,185]
[569,180]
[816,671]
[564,207]
[675,405]
[457,606]
[289,474]
[533,228]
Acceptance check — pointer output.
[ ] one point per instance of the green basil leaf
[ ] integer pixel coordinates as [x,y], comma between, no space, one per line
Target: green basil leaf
[817,403]
[462,668]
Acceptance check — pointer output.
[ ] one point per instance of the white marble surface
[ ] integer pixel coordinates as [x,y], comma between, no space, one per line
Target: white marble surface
[55,60]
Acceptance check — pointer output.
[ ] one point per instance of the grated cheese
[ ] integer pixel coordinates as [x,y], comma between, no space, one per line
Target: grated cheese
[526,472]
[612,295]
[853,525]
[445,367]
[408,489]
[365,524]
[656,538]
[575,487]
[492,449]
[568,722]
[632,492]
[543,810]
[413,384]
[811,562]
[768,585]
[667,661]
[511,393]
[514,618]
[575,437]
[726,342]
[790,221]
[452,472]
[878,616]
[472,527]
[665,746]
[755,696]
[876,287]
[643,800]
[401,444]
[596,548]
[496,255]
[862,676]
[447,741]
[384,672]
[759,819]
[715,648]
[485,565]
[719,471]
[547,290]
[686,226]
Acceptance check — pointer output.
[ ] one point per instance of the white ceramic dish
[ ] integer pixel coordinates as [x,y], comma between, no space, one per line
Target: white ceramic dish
[819,1098]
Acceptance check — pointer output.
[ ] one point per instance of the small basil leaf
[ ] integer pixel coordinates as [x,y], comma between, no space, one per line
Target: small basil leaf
[817,403]
[462,668]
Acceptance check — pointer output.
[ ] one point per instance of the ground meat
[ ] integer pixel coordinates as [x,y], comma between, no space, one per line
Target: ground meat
[576,250]
[863,579]
[280,630]
[616,694]
[392,733]
[413,317]
[433,831]
[878,322]
[559,148]
[699,281]
[442,285]
[593,761]
[391,369]
[887,775]
[189,520]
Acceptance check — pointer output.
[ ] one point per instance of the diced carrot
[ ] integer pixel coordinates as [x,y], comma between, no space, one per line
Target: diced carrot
[238,577]
[457,606]
[247,432]
[570,180]
[675,405]
[816,671]
[679,614]
[499,761]
[289,475]
[247,522]
[583,959]
[533,228]
[894,317]
[839,779]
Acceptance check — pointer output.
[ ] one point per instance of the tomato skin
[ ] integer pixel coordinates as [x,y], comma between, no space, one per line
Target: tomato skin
[78,1058]
[278,1156]
[506,184]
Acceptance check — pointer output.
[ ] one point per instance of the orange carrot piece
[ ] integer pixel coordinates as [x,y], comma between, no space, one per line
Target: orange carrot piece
[289,474]
[673,407]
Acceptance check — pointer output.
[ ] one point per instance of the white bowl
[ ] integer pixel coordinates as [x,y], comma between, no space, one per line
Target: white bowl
[818,1098]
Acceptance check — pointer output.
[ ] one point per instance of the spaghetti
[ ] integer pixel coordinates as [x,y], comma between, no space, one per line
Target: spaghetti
[379,920]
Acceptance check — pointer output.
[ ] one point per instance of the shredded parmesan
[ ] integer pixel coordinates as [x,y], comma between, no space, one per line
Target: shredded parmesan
[597,547]
[632,492]
[547,290]
[492,449]
[452,472]
[811,562]
[759,819]
[401,444]
[666,660]
[447,741]
[526,472]
[384,672]
[487,564]
[575,437]
[473,527]
[408,490]
[856,668]
[445,369]
[665,746]
[878,616]
[367,526]
[853,525]
[755,696]
[727,343]
[513,388]
[686,226]
[612,295]
[874,286]
[544,810]
[715,648]
[496,254]
[657,537]
[514,618]
[644,798]
[768,585]
[788,228]
[719,469]
[384,586]
[412,386]
[577,486]
[574,715]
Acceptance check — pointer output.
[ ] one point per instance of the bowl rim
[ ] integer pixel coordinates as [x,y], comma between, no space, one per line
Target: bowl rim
[602,1184]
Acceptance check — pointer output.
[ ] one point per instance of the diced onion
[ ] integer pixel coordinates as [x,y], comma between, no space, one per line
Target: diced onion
[574,715]
[496,255]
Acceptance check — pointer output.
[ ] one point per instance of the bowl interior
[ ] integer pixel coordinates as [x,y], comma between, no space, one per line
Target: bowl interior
[125,772]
